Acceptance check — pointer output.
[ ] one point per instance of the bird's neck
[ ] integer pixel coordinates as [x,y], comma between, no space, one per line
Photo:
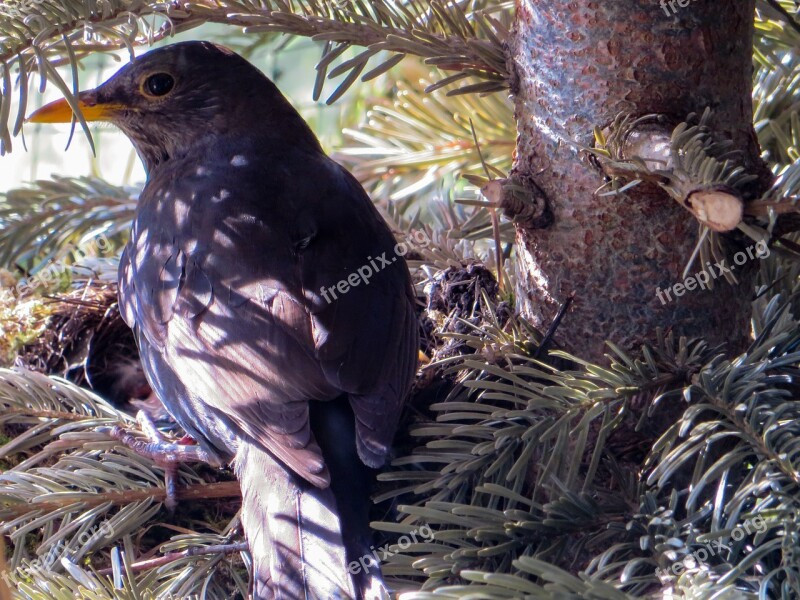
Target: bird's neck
[267,132]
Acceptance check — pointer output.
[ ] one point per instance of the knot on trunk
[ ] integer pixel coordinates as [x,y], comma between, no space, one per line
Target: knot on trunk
[522,201]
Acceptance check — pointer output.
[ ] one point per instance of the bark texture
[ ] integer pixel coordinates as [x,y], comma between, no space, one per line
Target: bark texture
[577,65]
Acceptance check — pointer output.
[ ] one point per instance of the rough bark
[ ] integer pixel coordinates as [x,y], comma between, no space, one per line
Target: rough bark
[577,65]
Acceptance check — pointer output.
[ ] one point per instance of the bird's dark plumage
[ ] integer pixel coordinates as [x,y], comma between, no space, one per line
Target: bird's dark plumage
[242,224]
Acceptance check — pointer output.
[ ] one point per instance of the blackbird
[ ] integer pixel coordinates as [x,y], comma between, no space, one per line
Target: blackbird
[274,318]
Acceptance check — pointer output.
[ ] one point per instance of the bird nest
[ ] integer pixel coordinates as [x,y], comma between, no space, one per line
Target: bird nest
[79,335]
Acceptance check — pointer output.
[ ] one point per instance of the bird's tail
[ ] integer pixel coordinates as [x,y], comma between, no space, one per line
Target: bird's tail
[293,532]
[334,427]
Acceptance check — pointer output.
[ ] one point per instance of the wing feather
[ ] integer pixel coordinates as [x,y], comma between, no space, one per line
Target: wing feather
[223,279]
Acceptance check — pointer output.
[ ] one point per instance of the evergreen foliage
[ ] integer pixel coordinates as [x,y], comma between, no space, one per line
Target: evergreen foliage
[673,471]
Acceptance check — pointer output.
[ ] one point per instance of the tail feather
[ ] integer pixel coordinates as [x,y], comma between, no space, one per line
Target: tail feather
[293,531]
[334,426]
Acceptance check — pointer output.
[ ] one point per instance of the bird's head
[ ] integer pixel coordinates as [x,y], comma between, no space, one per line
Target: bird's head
[173,98]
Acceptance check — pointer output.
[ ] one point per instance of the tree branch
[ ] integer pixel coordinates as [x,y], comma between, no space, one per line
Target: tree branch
[210,491]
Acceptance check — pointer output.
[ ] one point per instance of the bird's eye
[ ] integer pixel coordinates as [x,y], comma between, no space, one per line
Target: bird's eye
[159,84]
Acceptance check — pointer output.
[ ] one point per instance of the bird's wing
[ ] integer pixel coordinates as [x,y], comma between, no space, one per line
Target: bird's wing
[223,280]
[209,286]
[366,338]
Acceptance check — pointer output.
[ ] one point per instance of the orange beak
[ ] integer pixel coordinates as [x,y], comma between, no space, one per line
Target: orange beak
[61,112]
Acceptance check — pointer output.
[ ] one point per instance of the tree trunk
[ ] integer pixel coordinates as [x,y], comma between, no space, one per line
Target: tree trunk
[578,65]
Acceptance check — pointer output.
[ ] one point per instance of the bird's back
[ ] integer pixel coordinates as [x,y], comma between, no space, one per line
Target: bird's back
[225,280]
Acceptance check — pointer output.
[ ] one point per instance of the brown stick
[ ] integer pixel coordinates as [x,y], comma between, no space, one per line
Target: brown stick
[200,491]
[151,563]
